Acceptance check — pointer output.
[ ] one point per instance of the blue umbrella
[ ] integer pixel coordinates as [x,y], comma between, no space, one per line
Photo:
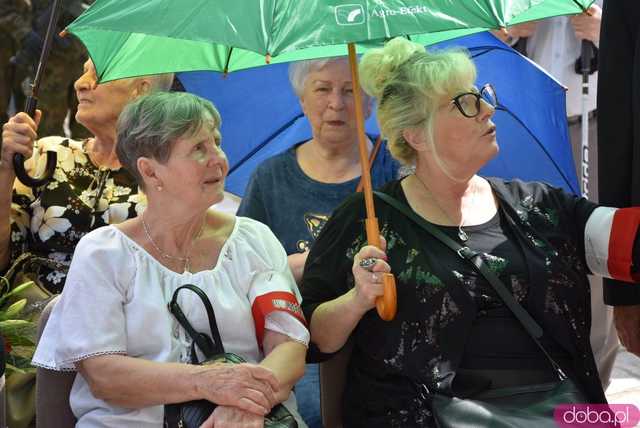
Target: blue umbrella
[262,117]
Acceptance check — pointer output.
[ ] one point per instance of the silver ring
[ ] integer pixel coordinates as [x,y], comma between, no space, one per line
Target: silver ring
[368,263]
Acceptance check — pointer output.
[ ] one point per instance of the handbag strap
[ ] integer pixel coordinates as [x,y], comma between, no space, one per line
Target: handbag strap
[530,325]
[203,341]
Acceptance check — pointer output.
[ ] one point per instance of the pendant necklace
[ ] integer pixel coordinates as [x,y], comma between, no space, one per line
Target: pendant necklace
[462,235]
[186,260]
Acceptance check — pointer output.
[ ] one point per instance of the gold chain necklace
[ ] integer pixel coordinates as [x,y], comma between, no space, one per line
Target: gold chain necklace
[462,235]
[186,260]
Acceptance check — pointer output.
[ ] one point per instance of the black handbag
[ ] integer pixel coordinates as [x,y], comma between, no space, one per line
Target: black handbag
[192,414]
[511,407]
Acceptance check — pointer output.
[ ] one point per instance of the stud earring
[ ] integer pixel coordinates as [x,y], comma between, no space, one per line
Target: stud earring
[159,188]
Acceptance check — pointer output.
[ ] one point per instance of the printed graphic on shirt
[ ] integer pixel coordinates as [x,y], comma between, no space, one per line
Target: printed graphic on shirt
[315,223]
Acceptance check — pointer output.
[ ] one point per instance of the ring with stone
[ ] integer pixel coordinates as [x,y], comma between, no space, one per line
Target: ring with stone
[367,263]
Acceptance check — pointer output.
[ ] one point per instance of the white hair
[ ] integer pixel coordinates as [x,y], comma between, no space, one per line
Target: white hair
[299,71]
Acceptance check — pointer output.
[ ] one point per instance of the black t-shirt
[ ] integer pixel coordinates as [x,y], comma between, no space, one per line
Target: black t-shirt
[497,340]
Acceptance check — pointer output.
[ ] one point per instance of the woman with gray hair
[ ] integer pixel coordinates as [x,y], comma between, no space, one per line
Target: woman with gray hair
[452,333]
[295,191]
[112,324]
[41,227]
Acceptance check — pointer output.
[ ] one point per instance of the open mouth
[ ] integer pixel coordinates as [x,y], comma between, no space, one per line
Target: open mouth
[490,131]
[336,122]
[213,181]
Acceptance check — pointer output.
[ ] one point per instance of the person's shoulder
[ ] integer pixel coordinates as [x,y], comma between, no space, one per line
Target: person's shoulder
[106,253]
[252,229]
[516,189]
[353,205]
[255,243]
[54,141]
[275,162]
[106,240]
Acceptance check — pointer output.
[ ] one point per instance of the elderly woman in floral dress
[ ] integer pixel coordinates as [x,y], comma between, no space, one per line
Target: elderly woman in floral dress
[89,188]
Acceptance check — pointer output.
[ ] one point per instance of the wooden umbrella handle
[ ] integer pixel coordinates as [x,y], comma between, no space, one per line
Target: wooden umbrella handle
[387,303]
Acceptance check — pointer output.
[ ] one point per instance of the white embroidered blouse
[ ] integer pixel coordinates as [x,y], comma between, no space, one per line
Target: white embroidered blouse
[115,302]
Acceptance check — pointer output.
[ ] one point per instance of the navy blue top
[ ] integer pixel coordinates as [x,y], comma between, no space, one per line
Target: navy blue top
[294,205]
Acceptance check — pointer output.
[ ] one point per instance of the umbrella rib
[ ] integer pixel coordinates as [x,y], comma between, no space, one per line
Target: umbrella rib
[266,141]
[542,147]
[481,50]
[226,64]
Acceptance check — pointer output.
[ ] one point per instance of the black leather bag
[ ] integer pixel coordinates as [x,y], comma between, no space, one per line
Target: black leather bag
[514,407]
[522,406]
[192,414]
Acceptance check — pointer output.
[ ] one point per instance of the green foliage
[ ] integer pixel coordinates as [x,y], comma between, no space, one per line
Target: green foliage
[19,333]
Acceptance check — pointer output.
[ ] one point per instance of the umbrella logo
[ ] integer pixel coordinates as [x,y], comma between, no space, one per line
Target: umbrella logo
[349,14]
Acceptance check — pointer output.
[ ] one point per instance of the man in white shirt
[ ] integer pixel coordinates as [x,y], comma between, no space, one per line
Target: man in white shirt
[555,44]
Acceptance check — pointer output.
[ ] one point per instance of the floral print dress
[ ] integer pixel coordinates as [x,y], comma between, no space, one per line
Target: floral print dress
[47,222]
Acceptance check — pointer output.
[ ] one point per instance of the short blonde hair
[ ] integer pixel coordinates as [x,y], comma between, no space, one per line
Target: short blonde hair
[408,83]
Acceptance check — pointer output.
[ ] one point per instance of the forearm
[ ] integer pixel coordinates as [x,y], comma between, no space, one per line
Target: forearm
[296,264]
[7,179]
[332,322]
[136,383]
[286,361]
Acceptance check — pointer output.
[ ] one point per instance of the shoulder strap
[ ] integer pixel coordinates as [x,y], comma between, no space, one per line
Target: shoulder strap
[204,342]
[530,325]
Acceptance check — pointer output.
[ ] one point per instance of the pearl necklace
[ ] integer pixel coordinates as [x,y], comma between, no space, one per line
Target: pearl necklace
[462,235]
[186,260]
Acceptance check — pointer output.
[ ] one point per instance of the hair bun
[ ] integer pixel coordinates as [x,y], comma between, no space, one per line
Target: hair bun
[378,66]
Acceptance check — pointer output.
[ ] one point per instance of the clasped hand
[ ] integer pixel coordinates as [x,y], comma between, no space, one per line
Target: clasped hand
[247,387]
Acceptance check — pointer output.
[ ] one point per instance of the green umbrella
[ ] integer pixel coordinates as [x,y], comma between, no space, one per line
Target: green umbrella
[136,37]
[127,38]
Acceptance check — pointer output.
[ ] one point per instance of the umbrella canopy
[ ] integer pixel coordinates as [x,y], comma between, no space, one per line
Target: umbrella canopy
[128,38]
[262,116]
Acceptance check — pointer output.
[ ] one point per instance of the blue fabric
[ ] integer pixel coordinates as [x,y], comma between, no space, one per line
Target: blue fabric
[308,396]
[295,206]
[261,116]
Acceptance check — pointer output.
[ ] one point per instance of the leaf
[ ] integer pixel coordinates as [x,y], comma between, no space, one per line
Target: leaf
[10,325]
[14,310]
[13,369]
[18,332]
[19,365]
[18,289]
[23,351]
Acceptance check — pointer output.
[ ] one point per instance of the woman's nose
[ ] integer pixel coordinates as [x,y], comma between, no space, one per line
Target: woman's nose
[486,110]
[336,100]
[87,81]
[216,157]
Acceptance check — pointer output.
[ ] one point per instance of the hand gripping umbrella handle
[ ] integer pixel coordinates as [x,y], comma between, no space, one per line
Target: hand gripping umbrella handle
[18,158]
[387,304]
[30,107]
